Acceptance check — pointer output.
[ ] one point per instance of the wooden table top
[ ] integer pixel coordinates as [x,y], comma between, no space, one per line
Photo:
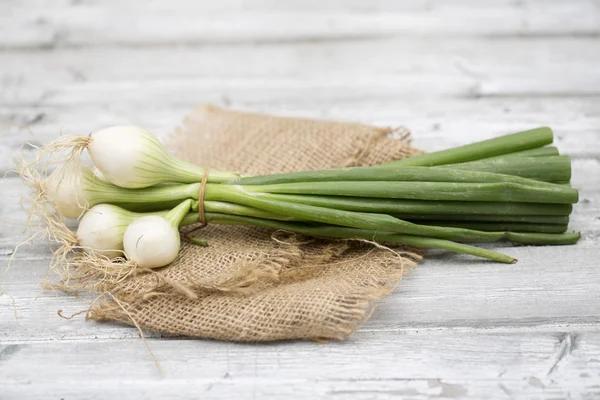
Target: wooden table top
[453,71]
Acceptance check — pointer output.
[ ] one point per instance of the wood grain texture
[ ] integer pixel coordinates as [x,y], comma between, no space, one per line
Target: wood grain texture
[397,68]
[63,23]
[542,365]
[454,71]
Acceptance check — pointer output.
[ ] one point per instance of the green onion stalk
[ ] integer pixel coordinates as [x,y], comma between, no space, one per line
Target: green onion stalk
[261,198]
[503,145]
[512,188]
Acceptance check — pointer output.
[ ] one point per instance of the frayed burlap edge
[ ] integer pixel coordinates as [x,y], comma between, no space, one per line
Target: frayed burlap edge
[343,320]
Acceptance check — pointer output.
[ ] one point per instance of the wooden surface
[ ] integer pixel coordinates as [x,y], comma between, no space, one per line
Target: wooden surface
[454,71]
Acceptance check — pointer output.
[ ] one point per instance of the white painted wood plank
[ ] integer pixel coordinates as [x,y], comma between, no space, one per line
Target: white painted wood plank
[561,364]
[62,23]
[420,69]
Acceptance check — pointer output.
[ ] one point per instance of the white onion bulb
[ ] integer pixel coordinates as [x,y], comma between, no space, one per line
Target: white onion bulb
[131,157]
[124,154]
[66,188]
[101,230]
[151,241]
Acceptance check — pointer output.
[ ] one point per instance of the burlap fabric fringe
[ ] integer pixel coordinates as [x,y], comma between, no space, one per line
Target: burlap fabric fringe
[252,284]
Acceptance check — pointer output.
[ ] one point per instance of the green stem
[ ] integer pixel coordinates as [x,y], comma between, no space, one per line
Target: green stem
[99,192]
[190,173]
[430,243]
[500,226]
[392,206]
[147,207]
[360,220]
[488,148]
[190,219]
[405,209]
[534,219]
[237,209]
[176,215]
[515,237]
[536,239]
[510,192]
[391,173]
[348,233]
[537,152]
[237,194]
[175,169]
[548,169]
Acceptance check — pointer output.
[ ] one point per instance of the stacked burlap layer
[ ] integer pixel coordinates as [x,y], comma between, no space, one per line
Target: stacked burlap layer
[252,284]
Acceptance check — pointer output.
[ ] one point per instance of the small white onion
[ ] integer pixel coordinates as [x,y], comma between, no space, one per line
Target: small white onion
[129,156]
[151,241]
[101,230]
[66,189]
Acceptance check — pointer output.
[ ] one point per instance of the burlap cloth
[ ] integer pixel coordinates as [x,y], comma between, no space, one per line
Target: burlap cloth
[252,284]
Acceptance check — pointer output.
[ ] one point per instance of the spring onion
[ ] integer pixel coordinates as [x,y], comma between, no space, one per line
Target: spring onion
[512,188]
[153,241]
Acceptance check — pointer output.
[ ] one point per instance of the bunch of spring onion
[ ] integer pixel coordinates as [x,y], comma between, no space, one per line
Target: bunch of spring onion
[512,188]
